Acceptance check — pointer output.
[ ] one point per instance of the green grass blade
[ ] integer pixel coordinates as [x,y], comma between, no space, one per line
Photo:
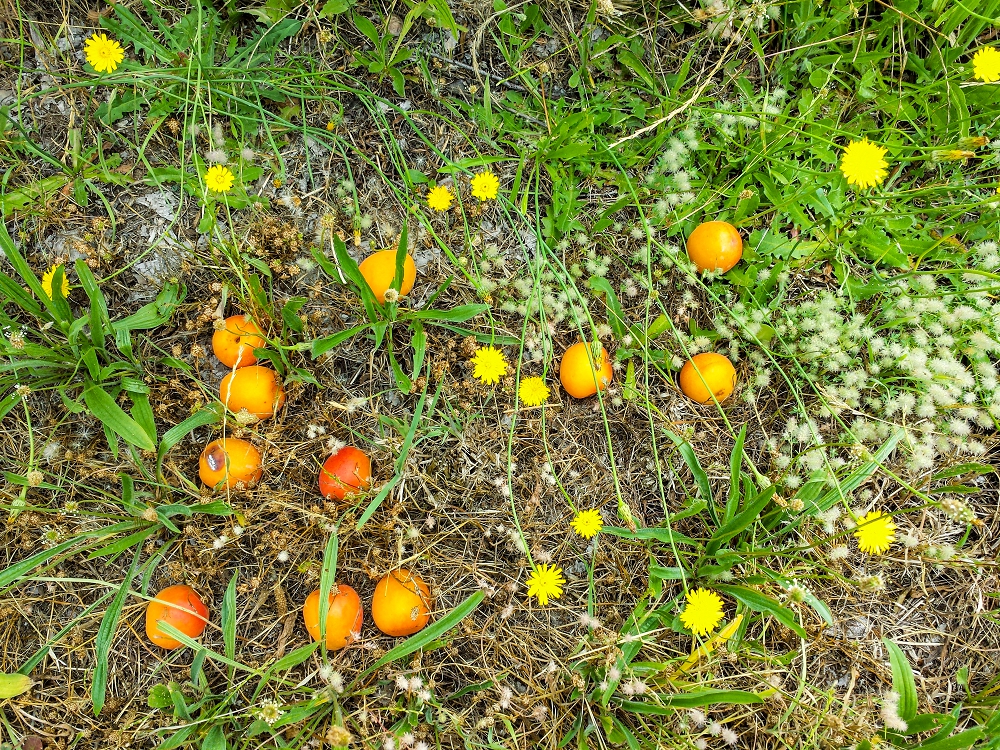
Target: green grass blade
[903,681]
[327,577]
[430,633]
[111,415]
[758,602]
[105,635]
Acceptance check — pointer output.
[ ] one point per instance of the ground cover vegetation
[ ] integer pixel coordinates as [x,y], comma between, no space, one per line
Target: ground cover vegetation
[508,375]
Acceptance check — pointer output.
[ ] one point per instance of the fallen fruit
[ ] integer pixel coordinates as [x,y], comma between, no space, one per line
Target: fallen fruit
[180,607]
[234,344]
[343,619]
[225,462]
[715,246]
[254,388]
[346,471]
[577,371]
[400,604]
[379,269]
[708,374]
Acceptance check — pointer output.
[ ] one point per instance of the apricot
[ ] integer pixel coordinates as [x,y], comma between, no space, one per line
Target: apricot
[234,344]
[254,388]
[343,619]
[345,472]
[400,604]
[225,462]
[179,606]
[578,373]
[380,268]
[708,374]
[715,246]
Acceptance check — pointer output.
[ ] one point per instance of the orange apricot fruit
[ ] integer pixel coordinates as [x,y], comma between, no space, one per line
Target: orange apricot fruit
[585,369]
[254,388]
[380,268]
[343,619]
[234,343]
[400,604]
[181,607]
[715,246]
[225,462]
[345,472]
[708,374]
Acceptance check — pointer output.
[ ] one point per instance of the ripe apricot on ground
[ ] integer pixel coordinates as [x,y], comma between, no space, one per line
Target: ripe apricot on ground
[179,606]
[254,388]
[708,374]
[345,472]
[400,604]
[234,344]
[715,246]
[585,369]
[380,268]
[343,619]
[228,461]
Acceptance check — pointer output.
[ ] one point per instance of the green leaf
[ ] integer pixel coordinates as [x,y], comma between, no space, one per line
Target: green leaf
[700,477]
[667,705]
[735,461]
[20,570]
[295,658]
[745,517]
[205,416]
[290,313]
[215,739]
[13,685]
[334,7]
[323,345]
[159,697]
[667,536]
[760,603]
[902,681]
[104,407]
[430,633]
[229,620]
[106,634]
[956,742]
[458,314]
[327,577]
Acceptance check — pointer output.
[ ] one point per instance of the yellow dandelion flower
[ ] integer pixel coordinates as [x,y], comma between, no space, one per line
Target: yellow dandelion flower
[875,532]
[489,365]
[440,198]
[703,611]
[587,523]
[103,54]
[546,581]
[49,276]
[485,186]
[986,64]
[864,164]
[219,179]
[533,392]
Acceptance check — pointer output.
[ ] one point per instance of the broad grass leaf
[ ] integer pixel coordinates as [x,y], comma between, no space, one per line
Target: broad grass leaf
[760,603]
[229,620]
[215,739]
[327,576]
[902,680]
[735,461]
[205,416]
[21,569]
[111,415]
